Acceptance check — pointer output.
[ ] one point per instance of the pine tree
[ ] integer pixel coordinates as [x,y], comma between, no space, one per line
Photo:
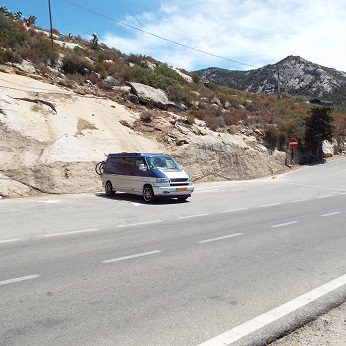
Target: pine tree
[319,126]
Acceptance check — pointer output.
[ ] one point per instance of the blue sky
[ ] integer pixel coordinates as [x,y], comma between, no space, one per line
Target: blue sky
[252,32]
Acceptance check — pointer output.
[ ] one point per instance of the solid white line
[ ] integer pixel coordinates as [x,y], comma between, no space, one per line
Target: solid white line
[73,232]
[284,224]
[258,322]
[23,278]
[8,241]
[331,214]
[220,238]
[232,210]
[140,223]
[190,216]
[269,205]
[131,256]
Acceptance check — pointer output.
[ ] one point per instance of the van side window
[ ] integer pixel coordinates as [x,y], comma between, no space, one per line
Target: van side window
[112,165]
[125,165]
[137,171]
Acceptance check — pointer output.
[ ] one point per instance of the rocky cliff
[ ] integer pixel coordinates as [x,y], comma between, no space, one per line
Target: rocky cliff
[51,138]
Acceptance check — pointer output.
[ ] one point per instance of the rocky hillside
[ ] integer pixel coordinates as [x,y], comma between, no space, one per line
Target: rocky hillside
[52,137]
[64,106]
[297,77]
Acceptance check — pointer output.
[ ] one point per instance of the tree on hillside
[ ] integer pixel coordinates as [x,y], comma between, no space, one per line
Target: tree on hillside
[319,126]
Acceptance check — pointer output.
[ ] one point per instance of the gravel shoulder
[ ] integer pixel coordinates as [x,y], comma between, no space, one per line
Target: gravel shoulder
[327,330]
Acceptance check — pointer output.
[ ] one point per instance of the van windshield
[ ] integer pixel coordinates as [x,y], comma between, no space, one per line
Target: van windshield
[163,163]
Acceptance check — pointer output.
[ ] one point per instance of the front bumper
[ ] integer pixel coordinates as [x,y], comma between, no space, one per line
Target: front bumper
[173,191]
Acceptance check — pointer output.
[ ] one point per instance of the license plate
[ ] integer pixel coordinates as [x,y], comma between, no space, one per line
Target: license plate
[182,189]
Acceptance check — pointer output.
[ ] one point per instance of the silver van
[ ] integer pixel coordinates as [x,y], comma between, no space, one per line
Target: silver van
[148,174]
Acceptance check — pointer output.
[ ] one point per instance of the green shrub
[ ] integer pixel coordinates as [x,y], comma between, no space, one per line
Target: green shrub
[6,56]
[165,70]
[73,64]
[271,135]
[45,51]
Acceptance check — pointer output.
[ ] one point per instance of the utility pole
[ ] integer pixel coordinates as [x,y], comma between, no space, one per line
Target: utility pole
[50,18]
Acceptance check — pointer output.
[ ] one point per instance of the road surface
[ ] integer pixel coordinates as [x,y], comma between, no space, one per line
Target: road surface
[239,263]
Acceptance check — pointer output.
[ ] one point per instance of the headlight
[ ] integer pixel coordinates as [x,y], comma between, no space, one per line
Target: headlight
[162,180]
[189,180]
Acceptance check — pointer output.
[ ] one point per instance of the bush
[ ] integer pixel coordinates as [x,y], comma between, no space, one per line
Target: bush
[146,117]
[73,64]
[166,71]
[45,51]
[190,119]
[271,135]
[6,56]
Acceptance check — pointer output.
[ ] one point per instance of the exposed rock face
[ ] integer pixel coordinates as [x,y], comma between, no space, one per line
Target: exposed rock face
[51,140]
[297,76]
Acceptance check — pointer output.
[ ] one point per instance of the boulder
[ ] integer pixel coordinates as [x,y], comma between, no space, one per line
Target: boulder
[149,95]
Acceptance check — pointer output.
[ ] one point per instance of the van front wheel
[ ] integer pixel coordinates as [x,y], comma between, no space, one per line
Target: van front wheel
[109,189]
[148,194]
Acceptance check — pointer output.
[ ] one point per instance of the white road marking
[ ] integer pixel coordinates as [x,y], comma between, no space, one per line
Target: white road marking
[326,196]
[190,216]
[331,214]
[206,190]
[131,256]
[72,232]
[269,205]
[51,201]
[220,238]
[299,200]
[284,224]
[23,278]
[307,185]
[232,335]
[139,223]
[232,210]
[8,240]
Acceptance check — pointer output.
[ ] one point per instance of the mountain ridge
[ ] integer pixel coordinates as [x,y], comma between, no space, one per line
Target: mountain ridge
[298,76]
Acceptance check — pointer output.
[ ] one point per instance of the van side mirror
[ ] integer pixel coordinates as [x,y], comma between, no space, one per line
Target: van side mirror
[143,167]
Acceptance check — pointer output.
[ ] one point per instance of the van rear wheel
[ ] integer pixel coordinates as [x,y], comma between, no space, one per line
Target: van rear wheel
[148,194]
[109,189]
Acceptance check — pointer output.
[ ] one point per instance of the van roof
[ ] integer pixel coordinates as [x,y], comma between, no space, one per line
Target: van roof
[134,154]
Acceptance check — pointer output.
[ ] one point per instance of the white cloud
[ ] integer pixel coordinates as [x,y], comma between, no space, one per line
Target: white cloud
[250,31]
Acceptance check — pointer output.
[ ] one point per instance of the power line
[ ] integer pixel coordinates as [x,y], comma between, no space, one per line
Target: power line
[157,36]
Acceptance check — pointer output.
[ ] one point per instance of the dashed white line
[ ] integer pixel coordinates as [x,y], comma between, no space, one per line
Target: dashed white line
[233,210]
[331,214]
[72,232]
[220,238]
[118,259]
[232,335]
[299,200]
[191,216]
[326,196]
[139,223]
[284,224]
[269,205]
[23,278]
[9,240]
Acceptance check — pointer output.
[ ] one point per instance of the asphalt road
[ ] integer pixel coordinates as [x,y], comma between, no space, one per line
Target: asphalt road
[240,262]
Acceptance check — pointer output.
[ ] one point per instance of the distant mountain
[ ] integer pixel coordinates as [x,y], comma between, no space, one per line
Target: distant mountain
[297,77]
